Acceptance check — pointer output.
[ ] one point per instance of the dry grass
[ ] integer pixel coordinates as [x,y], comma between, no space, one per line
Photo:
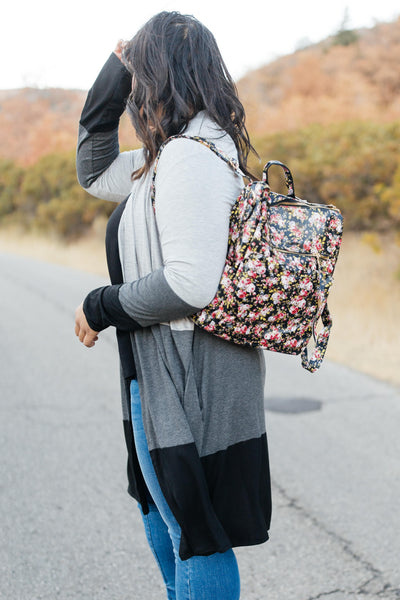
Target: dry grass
[365,304]
[364,301]
[87,254]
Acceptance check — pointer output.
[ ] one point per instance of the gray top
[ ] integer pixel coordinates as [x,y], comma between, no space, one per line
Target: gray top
[195,191]
[172,262]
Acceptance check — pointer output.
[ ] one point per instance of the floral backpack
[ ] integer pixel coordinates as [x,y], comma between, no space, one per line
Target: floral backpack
[282,252]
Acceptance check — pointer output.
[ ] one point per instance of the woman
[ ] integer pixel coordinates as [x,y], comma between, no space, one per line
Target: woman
[192,403]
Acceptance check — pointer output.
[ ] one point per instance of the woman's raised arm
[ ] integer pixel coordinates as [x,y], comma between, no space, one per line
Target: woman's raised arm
[102,170]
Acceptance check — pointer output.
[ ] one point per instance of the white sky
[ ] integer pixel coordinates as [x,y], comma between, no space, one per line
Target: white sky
[64,44]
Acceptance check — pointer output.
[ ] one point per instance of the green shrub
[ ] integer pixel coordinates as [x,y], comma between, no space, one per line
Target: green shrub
[10,184]
[354,165]
[47,196]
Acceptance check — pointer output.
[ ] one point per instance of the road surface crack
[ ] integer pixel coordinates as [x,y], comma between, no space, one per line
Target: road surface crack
[374,586]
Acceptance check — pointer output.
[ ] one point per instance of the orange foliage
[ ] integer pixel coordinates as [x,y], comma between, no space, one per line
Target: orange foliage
[35,122]
[327,83]
[324,83]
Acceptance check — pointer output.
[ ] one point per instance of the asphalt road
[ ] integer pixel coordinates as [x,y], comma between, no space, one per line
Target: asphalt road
[70,531]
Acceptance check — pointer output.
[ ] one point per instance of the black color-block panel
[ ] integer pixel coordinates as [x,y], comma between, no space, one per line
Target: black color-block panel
[221,500]
[183,484]
[239,481]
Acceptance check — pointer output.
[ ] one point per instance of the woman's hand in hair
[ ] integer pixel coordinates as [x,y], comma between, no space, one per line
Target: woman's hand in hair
[83,331]
[119,48]
[119,52]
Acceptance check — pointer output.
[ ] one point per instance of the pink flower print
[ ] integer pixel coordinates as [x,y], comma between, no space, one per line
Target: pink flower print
[263,298]
[277,297]
[263,211]
[295,230]
[216,314]
[229,318]
[334,242]
[225,281]
[243,310]
[303,329]
[274,334]
[287,280]
[291,343]
[316,245]
[277,237]
[310,310]
[274,219]
[265,249]
[256,267]
[261,270]
[317,219]
[296,306]
[258,232]
[328,266]
[242,329]
[258,329]
[276,317]
[301,303]
[336,224]
[252,274]
[271,282]
[306,285]
[307,245]
[246,232]
[264,311]
[250,288]
[300,214]
[297,264]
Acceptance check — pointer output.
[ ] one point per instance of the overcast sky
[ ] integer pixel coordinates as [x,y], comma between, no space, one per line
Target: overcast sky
[64,44]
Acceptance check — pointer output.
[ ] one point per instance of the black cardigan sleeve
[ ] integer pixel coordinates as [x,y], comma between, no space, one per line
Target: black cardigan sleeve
[98,147]
[98,144]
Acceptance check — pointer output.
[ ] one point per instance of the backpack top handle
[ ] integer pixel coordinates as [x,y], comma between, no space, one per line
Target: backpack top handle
[288,176]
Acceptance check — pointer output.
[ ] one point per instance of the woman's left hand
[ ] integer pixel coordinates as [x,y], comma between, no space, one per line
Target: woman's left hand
[120,48]
[86,334]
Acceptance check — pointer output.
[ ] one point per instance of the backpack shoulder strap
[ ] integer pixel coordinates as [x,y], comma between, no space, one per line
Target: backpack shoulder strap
[232,162]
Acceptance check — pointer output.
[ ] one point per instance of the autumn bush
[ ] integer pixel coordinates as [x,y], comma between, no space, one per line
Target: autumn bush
[354,165]
[47,196]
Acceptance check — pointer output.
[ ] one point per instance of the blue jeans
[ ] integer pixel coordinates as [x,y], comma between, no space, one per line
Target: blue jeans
[214,577]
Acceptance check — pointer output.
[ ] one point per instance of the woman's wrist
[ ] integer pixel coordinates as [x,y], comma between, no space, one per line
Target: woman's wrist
[102,308]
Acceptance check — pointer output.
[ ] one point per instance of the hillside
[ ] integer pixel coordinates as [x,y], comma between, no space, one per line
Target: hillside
[324,83]
[327,83]
[35,122]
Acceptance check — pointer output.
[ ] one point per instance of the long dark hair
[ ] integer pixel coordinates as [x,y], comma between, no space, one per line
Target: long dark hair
[178,71]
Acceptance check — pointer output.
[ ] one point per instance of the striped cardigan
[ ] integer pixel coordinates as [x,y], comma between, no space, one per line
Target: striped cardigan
[202,397]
